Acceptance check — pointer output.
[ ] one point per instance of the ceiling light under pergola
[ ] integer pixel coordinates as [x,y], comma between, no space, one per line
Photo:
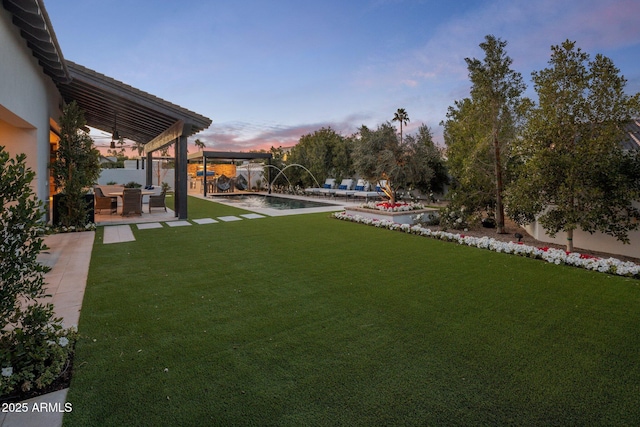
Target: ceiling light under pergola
[115,136]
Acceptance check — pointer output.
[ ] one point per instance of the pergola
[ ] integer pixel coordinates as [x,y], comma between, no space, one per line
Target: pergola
[202,156]
[109,104]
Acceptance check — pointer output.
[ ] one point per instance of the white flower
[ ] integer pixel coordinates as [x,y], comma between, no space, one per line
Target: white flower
[7,372]
[63,341]
[553,256]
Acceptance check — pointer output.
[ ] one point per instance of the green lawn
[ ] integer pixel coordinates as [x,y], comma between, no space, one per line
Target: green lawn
[306,320]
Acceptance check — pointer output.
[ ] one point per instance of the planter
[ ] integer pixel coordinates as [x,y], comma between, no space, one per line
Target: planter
[56,208]
[404,217]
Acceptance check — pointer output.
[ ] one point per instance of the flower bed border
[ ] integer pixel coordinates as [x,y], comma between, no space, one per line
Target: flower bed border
[556,256]
[400,217]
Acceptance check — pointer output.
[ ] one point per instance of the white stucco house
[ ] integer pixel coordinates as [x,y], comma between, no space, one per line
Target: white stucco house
[36,81]
[30,102]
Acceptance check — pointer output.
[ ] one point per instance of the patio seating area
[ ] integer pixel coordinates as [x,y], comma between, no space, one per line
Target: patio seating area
[149,212]
[115,204]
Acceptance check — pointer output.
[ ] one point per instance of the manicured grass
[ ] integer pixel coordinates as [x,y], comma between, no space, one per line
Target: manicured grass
[306,320]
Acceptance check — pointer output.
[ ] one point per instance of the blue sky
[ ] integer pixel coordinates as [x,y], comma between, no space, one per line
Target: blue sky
[268,72]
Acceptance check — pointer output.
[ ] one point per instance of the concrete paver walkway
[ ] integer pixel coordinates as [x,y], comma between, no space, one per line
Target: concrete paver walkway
[117,234]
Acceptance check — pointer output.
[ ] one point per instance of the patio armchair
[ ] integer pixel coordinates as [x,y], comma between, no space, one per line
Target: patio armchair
[131,201]
[104,202]
[157,201]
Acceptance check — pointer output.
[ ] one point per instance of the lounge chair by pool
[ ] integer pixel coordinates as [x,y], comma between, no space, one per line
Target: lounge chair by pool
[363,189]
[345,188]
[329,185]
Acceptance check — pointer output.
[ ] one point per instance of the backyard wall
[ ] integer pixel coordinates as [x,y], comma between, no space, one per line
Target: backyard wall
[597,242]
[124,176]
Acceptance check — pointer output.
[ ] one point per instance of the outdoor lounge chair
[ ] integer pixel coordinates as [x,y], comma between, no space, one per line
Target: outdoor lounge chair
[363,189]
[104,202]
[329,183]
[132,201]
[345,188]
[157,201]
[328,188]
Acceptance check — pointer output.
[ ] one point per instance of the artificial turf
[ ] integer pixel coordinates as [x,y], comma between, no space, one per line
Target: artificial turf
[307,320]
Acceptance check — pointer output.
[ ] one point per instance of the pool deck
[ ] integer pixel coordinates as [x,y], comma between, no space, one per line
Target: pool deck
[334,204]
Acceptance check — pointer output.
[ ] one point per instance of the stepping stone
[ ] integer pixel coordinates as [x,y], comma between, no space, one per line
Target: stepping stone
[178,223]
[252,216]
[205,221]
[229,218]
[149,225]
[118,234]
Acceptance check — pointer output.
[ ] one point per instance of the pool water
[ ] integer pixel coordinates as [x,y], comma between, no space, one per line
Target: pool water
[270,202]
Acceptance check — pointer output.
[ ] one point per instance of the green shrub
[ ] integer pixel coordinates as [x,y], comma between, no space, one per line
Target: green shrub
[33,345]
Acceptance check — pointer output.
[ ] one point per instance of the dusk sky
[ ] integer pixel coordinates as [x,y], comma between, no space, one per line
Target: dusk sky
[268,72]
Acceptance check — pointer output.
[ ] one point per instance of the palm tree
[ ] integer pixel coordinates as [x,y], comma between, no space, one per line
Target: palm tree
[199,144]
[139,147]
[402,117]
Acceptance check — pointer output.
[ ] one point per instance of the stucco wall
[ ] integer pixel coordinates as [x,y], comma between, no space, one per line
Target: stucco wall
[125,176]
[597,241]
[28,100]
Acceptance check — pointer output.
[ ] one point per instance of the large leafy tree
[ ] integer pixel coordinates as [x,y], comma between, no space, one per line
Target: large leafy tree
[402,117]
[480,130]
[412,164]
[277,165]
[427,170]
[468,159]
[325,153]
[76,166]
[575,173]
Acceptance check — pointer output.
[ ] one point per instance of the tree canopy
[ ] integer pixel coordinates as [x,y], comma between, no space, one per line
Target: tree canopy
[412,164]
[326,154]
[480,130]
[575,173]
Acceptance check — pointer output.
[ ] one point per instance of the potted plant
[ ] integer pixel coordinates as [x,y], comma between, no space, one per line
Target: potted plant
[75,168]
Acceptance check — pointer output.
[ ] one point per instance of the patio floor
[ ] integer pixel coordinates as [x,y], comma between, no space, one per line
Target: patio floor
[103,218]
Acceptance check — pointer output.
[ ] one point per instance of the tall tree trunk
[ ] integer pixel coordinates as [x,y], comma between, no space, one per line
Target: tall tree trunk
[570,240]
[499,205]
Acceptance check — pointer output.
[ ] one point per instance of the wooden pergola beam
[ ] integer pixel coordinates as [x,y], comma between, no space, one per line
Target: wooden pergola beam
[166,138]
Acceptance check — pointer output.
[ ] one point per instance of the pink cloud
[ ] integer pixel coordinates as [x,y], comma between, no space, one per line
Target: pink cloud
[242,136]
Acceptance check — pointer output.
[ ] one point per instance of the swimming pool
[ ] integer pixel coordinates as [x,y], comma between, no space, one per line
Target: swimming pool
[254,201]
